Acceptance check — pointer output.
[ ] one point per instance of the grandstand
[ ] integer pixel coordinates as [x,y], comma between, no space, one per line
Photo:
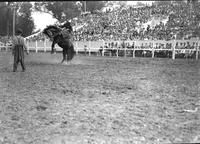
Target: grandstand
[160,21]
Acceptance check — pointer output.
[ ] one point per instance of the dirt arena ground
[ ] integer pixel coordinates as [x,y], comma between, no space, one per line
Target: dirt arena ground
[99,100]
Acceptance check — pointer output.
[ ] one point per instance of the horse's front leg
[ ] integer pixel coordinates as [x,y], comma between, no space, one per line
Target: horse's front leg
[52,47]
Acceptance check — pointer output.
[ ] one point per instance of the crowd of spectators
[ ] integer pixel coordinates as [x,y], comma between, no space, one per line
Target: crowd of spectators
[117,25]
[127,24]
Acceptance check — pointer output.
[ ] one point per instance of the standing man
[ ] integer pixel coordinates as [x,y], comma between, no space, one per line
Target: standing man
[18,49]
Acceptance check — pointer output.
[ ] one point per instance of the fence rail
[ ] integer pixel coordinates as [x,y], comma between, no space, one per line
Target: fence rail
[175,46]
[6,48]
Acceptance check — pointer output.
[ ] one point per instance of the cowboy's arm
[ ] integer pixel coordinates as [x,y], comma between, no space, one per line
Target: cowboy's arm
[25,46]
[12,48]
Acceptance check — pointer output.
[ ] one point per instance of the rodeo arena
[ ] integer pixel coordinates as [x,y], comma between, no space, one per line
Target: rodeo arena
[126,75]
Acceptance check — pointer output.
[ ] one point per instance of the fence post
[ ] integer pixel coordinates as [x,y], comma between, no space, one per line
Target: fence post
[103,49]
[76,44]
[173,50]
[110,51]
[36,50]
[134,52]
[133,49]
[117,53]
[153,50]
[197,51]
[6,48]
[27,42]
[45,49]
[117,49]
[125,51]
[89,48]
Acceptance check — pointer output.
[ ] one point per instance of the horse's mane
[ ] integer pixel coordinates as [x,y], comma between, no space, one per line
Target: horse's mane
[50,27]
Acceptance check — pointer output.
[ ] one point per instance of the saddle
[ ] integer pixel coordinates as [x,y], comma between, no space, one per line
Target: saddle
[66,34]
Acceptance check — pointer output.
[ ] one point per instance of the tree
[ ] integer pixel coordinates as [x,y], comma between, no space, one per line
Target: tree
[59,10]
[6,13]
[68,9]
[93,5]
[24,19]
[3,20]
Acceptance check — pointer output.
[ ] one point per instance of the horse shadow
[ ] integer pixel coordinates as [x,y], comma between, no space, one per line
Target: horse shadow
[42,63]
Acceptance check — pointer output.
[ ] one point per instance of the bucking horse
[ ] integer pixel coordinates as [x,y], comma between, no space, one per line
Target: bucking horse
[55,34]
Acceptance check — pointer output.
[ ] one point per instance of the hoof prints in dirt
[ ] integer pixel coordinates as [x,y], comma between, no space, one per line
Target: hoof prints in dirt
[41,63]
[41,108]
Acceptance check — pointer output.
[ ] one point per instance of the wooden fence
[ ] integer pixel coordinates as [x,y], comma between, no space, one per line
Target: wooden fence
[175,46]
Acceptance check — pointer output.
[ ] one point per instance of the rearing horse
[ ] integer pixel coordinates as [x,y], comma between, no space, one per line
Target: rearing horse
[54,33]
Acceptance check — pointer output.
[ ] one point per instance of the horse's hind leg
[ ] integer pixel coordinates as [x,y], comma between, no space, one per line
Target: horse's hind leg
[70,53]
[64,55]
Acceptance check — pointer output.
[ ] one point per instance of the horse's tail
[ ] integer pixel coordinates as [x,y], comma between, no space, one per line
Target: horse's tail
[71,52]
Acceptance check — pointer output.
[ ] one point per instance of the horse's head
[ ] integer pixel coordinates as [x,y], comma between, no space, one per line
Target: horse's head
[51,31]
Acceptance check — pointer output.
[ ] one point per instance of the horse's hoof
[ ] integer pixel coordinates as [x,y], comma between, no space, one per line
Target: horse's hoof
[65,63]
